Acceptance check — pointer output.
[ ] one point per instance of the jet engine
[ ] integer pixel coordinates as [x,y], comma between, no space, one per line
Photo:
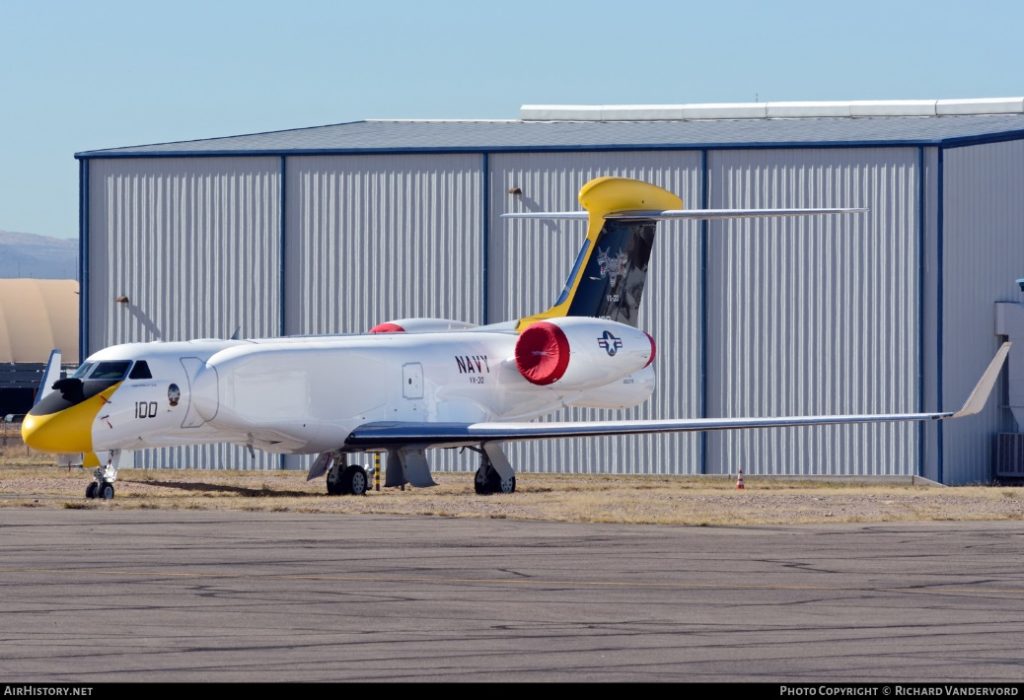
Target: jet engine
[579,353]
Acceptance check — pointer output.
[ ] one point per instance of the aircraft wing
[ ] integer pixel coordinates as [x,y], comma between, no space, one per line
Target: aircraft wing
[387,434]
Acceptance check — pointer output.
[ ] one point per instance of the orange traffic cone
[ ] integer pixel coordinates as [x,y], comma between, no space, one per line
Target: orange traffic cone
[739,481]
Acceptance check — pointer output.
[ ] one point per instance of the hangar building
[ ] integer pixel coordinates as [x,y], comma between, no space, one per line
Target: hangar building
[334,229]
[36,316]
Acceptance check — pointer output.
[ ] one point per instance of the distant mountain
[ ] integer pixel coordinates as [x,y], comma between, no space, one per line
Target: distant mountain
[41,257]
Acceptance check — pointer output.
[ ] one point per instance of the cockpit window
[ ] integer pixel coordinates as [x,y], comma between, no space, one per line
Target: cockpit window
[83,370]
[110,370]
[140,371]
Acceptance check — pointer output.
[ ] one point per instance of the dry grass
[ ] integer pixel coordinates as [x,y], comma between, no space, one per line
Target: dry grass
[568,498]
[29,479]
[13,451]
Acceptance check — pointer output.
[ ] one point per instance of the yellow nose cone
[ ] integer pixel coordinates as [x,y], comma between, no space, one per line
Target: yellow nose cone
[69,430]
[58,432]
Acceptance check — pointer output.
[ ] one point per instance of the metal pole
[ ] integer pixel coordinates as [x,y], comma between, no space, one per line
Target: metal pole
[376,471]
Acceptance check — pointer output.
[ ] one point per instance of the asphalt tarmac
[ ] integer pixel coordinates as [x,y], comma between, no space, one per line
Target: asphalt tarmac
[107,595]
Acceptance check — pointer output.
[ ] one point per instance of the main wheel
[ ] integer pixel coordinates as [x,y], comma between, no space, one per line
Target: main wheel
[354,480]
[484,481]
[488,480]
[90,490]
[506,485]
[106,491]
[334,480]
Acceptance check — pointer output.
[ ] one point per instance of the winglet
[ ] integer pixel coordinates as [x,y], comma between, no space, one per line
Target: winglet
[979,397]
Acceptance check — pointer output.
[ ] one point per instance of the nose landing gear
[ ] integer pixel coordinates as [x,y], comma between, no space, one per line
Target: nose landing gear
[104,478]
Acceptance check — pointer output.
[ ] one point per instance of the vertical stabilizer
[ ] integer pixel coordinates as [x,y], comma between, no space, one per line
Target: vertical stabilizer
[607,280]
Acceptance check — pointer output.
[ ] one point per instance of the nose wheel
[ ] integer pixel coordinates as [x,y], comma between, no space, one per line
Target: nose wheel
[103,484]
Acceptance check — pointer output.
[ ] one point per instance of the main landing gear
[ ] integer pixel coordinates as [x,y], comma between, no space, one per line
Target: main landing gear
[347,480]
[488,480]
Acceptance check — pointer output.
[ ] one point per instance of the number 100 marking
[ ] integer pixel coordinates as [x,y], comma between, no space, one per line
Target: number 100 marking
[145,410]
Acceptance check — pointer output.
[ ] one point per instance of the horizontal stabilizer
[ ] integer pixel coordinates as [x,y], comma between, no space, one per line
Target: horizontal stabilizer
[709,214]
[686,214]
[582,215]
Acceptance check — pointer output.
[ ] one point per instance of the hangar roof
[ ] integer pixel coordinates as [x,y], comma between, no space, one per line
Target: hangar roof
[37,316]
[569,135]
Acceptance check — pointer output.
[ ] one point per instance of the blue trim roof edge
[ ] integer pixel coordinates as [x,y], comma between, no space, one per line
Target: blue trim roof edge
[955,142]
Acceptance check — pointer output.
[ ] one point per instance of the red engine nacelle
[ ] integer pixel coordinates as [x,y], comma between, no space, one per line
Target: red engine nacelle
[578,352]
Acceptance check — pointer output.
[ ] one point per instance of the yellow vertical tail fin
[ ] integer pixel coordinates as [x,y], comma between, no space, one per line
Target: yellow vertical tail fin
[607,280]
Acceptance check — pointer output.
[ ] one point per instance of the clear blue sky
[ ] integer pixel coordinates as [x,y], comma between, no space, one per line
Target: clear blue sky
[77,76]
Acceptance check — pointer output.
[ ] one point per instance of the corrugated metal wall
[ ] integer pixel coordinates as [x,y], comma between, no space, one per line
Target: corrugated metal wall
[803,317]
[193,244]
[983,253]
[529,262]
[814,316]
[375,238]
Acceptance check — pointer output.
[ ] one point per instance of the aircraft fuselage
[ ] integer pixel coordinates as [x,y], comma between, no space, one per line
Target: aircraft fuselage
[306,394]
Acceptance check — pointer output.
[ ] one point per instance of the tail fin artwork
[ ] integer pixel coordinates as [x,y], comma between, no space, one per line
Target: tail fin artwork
[607,280]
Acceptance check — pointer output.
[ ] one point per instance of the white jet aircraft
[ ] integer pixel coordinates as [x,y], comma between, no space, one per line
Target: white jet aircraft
[412,384]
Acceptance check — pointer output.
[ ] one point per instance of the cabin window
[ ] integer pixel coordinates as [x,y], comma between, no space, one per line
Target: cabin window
[140,371]
[110,370]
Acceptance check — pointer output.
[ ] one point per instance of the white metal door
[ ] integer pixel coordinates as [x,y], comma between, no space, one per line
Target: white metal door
[412,380]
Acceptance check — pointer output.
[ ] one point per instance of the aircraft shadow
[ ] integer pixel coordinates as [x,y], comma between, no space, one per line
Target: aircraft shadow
[222,488]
